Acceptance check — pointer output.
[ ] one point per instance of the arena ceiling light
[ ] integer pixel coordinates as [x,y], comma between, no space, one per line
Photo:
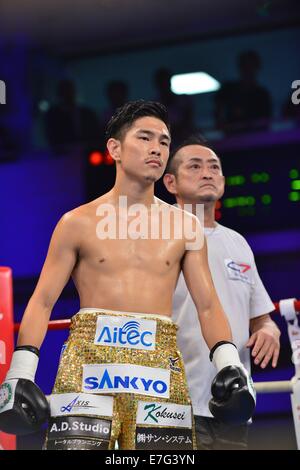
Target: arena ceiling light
[193,83]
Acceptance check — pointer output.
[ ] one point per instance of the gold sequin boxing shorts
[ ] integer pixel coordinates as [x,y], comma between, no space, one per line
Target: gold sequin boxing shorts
[120,378]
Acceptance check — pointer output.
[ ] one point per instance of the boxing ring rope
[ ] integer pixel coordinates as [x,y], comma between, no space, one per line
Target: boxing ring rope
[52,325]
[289,309]
[296,306]
[64,324]
[281,386]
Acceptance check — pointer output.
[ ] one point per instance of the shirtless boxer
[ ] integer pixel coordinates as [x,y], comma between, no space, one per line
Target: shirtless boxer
[121,376]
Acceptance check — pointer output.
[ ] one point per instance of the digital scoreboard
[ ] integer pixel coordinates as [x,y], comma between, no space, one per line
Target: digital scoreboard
[262,190]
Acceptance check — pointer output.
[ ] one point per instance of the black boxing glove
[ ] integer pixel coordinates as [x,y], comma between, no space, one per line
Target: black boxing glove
[23,406]
[233,394]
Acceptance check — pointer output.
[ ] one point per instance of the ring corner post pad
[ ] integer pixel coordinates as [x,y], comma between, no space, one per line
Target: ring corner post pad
[7,441]
[288,311]
[295,401]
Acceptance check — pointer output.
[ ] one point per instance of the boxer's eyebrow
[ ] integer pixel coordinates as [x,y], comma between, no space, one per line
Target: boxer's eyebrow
[162,135]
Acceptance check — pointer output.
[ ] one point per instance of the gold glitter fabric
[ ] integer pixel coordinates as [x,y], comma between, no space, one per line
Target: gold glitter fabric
[137,377]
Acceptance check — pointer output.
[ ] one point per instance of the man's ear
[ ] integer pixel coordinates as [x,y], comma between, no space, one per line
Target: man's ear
[170,183]
[223,186]
[114,148]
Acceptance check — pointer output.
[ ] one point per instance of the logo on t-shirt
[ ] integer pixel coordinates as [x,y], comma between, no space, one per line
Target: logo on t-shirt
[238,271]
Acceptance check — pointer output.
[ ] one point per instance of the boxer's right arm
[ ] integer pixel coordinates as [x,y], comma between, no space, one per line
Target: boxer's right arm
[23,406]
[58,266]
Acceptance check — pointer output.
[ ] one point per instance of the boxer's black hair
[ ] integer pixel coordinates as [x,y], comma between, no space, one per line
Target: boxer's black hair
[125,116]
[174,162]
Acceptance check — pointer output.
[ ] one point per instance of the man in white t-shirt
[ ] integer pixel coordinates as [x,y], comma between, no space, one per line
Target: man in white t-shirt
[194,176]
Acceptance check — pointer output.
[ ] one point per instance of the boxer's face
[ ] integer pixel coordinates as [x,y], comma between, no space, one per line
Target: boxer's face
[199,175]
[143,151]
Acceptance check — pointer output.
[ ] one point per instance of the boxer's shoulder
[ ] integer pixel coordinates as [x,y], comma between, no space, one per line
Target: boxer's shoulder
[76,220]
[75,217]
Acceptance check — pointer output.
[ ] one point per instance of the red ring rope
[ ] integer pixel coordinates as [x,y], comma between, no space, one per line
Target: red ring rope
[64,324]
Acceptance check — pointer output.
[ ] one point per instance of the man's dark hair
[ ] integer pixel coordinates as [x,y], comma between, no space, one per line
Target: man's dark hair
[125,116]
[173,162]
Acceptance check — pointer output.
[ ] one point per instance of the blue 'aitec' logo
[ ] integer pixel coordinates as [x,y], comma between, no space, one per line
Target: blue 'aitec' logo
[126,334]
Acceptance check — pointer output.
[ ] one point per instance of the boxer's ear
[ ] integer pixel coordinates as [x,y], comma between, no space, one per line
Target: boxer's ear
[114,148]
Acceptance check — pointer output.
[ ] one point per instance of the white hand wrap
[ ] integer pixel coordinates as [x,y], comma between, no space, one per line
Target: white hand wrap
[226,355]
[23,365]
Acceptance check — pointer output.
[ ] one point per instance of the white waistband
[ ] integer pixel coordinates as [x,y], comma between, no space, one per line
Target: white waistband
[155,316]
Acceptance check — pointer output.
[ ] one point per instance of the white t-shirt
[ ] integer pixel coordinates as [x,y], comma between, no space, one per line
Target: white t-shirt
[242,296]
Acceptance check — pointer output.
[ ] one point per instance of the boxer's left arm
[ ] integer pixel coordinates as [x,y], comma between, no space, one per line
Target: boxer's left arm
[264,340]
[214,324]
[233,395]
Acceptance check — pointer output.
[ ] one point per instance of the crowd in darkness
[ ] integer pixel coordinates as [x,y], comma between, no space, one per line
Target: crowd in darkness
[240,106]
